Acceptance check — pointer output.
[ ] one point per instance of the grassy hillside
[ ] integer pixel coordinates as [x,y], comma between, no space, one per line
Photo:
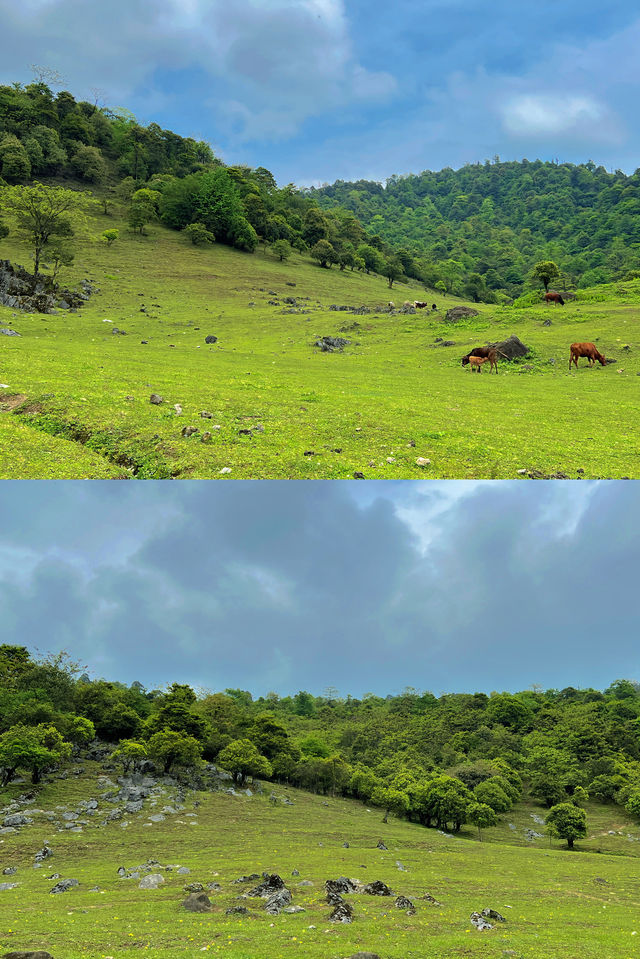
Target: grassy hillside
[579,905]
[76,399]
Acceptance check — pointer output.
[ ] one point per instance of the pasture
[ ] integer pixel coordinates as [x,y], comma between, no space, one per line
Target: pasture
[75,396]
[580,905]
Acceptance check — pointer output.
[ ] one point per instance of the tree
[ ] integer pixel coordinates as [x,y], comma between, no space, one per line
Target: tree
[110,236]
[143,209]
[59,253]
[632,804]
[33,748]
[567,821]
[130,753]
[14,158]
[241,758]
[545,271]
[168,748]
[371,257]
[489,793]
[481,815]
[282,249]
[89,164]
[391,800]
[580,796]
[198,234]
[392,270]
[324,253]
[43,213]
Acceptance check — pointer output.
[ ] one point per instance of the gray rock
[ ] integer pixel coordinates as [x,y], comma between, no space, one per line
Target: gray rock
[184,871]
[197,902]
[10,871]
[343,912]
[10,333]
[156,399]
[290,910]
[8,885]
[479,922]
[236,911]
[492,914]
[40,954]
[377,888]
[211,338]
[457,313]
[132,807]
[17,819]
[277,902]
[157,817]
[152,881]
[64,885]
[332,344]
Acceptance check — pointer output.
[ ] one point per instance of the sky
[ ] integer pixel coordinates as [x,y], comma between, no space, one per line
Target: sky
[364,587]
[319,90]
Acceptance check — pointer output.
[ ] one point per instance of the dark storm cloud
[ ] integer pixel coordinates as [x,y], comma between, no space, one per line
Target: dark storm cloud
[282,585]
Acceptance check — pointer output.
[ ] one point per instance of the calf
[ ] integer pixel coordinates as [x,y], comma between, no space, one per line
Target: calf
[475,363]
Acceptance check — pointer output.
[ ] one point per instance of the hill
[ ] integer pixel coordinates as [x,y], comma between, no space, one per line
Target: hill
[481,229]
[580,906]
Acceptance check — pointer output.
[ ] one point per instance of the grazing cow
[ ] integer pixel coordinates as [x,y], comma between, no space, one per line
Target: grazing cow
[433,306]
[590,350]
[419,304]
[391,305]
[552,297]
[475,363]
[407,304]
[484,353]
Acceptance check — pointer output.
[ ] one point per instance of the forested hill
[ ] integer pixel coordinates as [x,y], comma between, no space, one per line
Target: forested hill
[498,219]
[149,174]
[412,752]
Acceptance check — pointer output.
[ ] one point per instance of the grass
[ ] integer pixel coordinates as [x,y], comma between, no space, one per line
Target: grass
[576,905]
[323,415]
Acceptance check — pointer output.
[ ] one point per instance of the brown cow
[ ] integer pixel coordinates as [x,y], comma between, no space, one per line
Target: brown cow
[475,363]
[552,297]
[590,350]
[485,353]
[419,304]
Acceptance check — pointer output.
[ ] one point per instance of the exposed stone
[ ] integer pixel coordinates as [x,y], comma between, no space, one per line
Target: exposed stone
[511,349]
[270,885]
[18,819]
[459,313]
[332,344]
[277,902]
[21,290]
[197,902]
[156,399]
[236,911]
[343,912]
[10,871]
[403,903]
[211,338]
[4,886]
[479,922]
[492,914]
[39,954]
[153,881]
[64,885]
[380,845]
[377,888]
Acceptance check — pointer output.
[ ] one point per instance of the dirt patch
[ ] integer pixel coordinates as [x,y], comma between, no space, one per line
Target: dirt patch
[10,401]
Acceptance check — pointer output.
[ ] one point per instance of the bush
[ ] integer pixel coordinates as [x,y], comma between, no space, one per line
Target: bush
[198,234]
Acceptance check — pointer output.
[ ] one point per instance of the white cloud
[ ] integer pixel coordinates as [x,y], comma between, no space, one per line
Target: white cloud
[540,114]
[269,64]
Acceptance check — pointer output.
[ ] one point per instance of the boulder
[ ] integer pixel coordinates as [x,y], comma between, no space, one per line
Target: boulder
[271,884]
[153,881]
[4,886]
[156,399]
[511,349]
[197,902]
[16,820]
[236,911]
[332,344]
[478,921]
[6,332]
[377,888]
[277,902]
[338,887]
[457,313]
[403,903]
[211,338]
[10,871]
[492,914]
[380,845]
[64,885]
[343,912]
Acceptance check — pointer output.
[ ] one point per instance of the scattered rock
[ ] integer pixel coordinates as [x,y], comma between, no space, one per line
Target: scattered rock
[290,910]
[40,954]
[236,911]
[277,902]
[156,399]
[9,871]
[271,884]
[358,475]
[153,881]
[211,338]
[479,922]
[377,888]
[197,902]
[194,887]
[431,900]
[492,914]
[423,461]
[403,903]
[380,845]
[10,333]
[4,886]
[343,912]
[64,885]
[332,344]
[188,431]
[459,313]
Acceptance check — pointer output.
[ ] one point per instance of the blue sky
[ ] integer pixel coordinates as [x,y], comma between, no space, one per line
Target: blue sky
[367,587]
[323,89]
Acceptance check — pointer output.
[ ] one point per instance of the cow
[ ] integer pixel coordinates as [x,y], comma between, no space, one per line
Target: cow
[433,306]
[590,350]
[419,304]
[475,363]
[407,305]
[391,305]
[552,297]
[485,353]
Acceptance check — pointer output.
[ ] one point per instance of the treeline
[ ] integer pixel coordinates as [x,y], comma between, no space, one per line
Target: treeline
[479,230]
[159,175]
[435,760]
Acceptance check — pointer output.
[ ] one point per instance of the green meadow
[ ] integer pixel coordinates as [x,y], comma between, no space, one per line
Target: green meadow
[574,905]
[75,396]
